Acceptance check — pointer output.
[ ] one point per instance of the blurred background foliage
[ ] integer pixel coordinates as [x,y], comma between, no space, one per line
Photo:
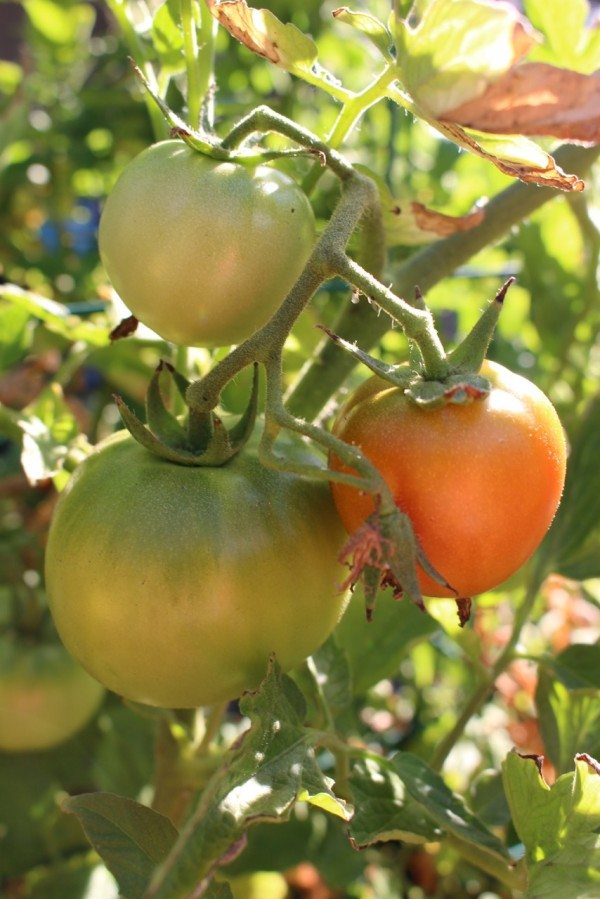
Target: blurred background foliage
[71,116]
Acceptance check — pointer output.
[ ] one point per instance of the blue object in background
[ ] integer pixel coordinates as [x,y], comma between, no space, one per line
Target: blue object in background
[81,229]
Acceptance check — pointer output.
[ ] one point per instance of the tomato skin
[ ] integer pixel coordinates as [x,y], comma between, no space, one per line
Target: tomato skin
[202,251]
[481,482]
[172,585]
[45,696]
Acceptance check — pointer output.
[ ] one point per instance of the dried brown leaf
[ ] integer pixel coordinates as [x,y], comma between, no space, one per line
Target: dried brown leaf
[536,99]
[444,225]
[546,175]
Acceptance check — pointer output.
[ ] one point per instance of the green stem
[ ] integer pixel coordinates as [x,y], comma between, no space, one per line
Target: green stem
[211,727]
[487,861]
[357,196]
[190,47]
[264,119]
[485,688]
[417,322]
[138,52]
[352,110]
[329,367]
[206,62]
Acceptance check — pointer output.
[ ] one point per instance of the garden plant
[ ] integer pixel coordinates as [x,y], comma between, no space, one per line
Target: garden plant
[299,474]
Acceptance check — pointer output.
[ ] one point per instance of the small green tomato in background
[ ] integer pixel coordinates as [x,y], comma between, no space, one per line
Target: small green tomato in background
[203,251]
[45,695]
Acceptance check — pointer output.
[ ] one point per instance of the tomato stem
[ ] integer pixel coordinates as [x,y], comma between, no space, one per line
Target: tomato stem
[329,368]
[486,686]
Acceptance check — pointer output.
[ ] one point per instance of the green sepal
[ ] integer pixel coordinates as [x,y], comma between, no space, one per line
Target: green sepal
[200,141]
[398,376]
[180,382]
[241,431]
[147,439]
[457,390]
[469,355]
[160,421]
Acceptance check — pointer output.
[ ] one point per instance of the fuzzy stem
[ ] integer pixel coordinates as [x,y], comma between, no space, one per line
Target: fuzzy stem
[417,323]
[357,195]
[264,119]
[329,368]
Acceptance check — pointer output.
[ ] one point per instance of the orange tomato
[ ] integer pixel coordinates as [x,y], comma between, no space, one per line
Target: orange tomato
[480,482]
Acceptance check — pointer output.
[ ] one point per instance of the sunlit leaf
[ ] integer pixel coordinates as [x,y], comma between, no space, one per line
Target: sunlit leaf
[167,37]
[559,827]
[368,25]
[569,41]
[274,764]
[569,720]
[456,47]
[16,333]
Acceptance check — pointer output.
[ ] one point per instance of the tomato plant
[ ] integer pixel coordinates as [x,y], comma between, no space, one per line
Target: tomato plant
[173,585]
[45,696]
[481,482]
[203,251]
[193,559]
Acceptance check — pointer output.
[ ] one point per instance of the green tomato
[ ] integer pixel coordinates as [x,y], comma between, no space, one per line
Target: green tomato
[173,585]
[45,696]
[202,251]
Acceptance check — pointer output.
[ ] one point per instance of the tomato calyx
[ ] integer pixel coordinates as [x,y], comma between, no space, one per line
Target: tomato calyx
[201,438]
[384,552]
[462,384]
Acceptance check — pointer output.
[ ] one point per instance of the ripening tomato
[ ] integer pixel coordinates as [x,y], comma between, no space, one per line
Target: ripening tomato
[202,251]
[172,585]
[480,482]
[45,696]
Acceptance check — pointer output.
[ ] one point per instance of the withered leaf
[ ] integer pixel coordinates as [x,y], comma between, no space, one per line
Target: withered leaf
[543,171]
[536,99]
[261,31]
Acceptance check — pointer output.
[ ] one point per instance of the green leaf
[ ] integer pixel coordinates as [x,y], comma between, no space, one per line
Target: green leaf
[167,37]
[487,799]
[61,24]
[576,528]
[16,335]
[559,827]
[130,838]
[368,25]
[376,648]
[48,429]
[578,666]
[445,809]
[55,316]
[568,42]
[331,673]
[569,720]
[218,891]
[385,809]
[274,764]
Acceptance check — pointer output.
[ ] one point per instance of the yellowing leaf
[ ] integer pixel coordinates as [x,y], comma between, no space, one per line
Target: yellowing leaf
[536,98]
[457,47]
